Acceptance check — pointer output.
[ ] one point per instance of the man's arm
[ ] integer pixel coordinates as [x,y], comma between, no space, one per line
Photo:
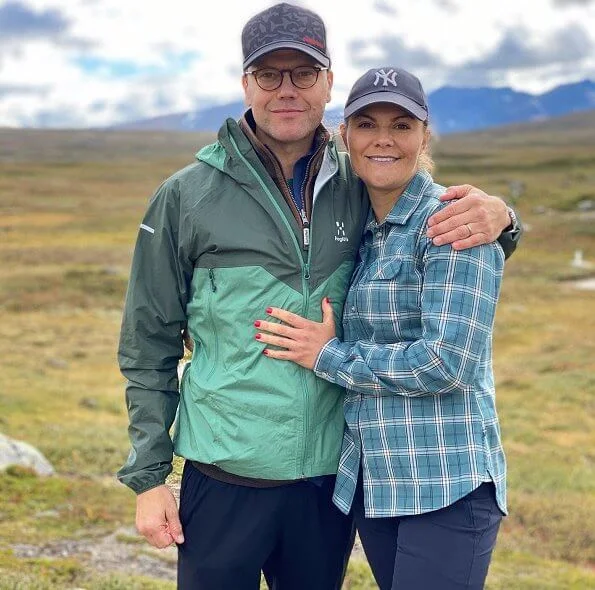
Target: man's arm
[475,218]
[149,351]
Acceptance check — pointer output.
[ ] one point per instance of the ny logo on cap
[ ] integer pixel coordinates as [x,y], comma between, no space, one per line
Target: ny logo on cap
[387,78]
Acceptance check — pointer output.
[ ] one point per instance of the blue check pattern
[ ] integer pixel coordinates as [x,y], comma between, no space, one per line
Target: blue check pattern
[416,362]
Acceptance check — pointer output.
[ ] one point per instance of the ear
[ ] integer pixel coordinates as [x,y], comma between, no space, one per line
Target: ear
[343,133]
[247,93]
[330,78]
[426,139]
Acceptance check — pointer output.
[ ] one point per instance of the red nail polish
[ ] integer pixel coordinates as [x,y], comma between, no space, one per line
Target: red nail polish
[269,310]
[265,352]
[257,324]
[258,336]
[328,300]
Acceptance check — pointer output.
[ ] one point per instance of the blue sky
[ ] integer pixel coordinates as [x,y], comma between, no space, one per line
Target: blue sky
[79,63]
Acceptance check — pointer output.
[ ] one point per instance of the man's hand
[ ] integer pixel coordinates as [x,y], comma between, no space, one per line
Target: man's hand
[476,218]
[157,517]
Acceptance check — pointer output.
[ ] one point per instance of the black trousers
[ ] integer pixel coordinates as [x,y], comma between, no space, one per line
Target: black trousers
[447,549]
[293,533]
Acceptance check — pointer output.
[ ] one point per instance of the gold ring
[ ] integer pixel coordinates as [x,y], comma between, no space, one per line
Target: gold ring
[470,232]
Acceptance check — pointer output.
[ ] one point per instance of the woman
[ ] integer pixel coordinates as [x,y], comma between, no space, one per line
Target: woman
[415,360]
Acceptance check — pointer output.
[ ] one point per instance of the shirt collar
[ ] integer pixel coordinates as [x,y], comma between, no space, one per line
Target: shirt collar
[406,204]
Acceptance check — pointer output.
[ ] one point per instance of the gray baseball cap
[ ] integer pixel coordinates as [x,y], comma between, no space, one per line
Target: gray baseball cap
[388,84]
[285,26]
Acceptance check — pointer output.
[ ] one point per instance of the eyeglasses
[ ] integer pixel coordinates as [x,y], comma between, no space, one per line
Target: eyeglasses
[302,77]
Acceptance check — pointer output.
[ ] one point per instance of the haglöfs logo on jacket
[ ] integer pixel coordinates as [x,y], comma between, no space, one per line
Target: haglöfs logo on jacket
[341,236]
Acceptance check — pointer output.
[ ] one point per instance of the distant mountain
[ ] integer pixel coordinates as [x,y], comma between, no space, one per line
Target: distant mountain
[465,109]
[452,110]
[208,119]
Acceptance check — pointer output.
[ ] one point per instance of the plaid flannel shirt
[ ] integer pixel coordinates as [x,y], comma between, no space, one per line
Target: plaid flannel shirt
[416,361]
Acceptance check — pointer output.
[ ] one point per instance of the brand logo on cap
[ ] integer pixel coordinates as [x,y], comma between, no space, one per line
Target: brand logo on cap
[387,78]
[314,42]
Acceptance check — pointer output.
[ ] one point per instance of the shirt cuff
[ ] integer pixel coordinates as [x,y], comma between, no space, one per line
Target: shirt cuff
[332,355]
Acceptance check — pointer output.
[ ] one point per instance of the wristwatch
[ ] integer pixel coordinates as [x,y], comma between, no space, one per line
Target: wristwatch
[514,222]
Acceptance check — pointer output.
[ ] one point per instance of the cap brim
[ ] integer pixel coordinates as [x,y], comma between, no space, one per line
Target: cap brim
[322,59]
[391,97]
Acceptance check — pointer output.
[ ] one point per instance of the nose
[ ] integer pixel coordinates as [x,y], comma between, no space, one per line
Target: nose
[287,89]
[384,137]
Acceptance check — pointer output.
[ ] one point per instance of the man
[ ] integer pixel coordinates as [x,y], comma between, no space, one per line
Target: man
[271,214]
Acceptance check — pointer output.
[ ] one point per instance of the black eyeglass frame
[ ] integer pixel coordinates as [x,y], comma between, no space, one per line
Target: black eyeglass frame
[282,73]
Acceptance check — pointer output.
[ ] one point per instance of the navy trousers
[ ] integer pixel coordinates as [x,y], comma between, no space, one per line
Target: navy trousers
[293,533]
[447,549]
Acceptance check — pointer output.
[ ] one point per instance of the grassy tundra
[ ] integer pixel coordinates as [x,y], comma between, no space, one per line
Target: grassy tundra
[70,204]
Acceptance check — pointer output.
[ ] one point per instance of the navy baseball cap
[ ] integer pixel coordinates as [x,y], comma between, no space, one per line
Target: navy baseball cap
[388,84]
[285,26]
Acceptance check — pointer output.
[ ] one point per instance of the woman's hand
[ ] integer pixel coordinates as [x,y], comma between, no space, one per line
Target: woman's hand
[301,339]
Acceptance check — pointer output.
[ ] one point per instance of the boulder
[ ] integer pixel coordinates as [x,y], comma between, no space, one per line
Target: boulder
[16,452]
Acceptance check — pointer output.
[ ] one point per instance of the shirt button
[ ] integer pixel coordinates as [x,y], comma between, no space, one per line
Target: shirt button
[353,308]
[378,234]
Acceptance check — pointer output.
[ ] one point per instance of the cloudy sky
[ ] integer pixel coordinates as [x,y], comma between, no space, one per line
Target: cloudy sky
[77,63]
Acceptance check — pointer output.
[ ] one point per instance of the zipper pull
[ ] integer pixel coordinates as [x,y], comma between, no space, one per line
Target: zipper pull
[306,229]
[307,271]
[306,237]
[212,279]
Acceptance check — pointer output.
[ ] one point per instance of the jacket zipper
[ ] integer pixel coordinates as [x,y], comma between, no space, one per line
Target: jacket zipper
[305,268]
[305,230]
[212,320]
[306,290]
[212,279]
[307,223]
[302,213]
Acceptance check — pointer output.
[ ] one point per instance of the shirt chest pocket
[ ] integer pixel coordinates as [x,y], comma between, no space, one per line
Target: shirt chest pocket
[389,300]
[388,268]
[397,281]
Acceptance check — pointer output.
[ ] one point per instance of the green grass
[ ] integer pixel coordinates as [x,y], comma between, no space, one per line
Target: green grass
[53,508]
[70,204]
[513,570]
[50,574]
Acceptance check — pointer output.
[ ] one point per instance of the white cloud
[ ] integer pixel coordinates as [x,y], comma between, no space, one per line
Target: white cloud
[145,59]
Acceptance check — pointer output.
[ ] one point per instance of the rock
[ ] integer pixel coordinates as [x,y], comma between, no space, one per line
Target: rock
[57,363]
[110,271]
[47,514]
[14,452]
[89,402]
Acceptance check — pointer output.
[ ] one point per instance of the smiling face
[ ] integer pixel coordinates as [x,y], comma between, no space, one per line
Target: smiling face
[287,115]
[385,143]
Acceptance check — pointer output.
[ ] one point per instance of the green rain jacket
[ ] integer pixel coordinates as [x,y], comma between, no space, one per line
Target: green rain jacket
[217,246]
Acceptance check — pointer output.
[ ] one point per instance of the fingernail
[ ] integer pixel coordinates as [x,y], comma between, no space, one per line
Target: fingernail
[257,324]
[258,336]
[265,352]
[269,310]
